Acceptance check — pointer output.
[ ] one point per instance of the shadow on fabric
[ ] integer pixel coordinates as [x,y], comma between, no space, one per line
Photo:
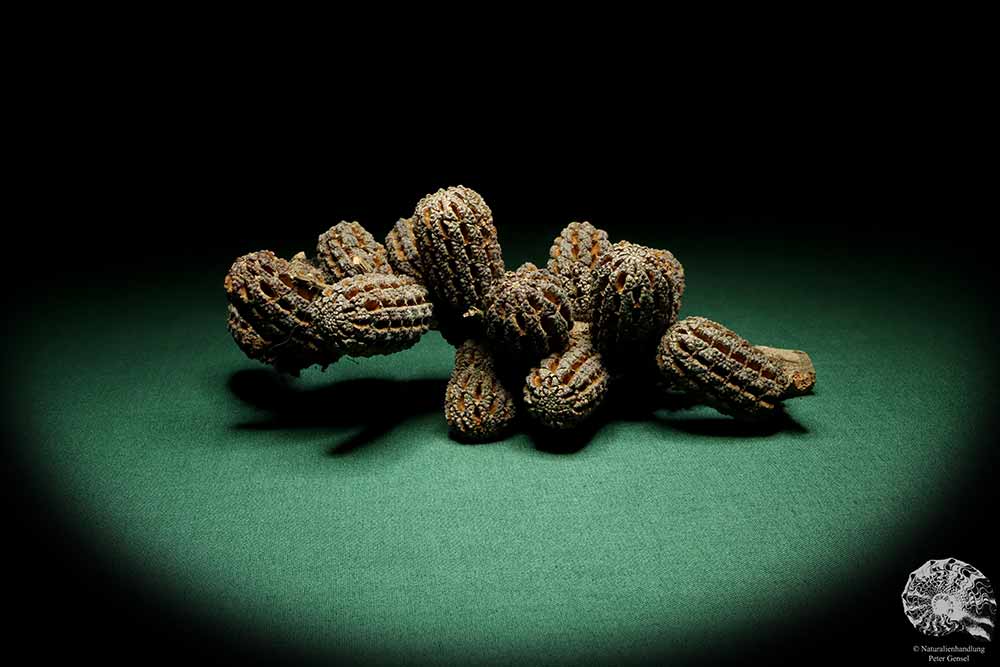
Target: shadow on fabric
[376,405]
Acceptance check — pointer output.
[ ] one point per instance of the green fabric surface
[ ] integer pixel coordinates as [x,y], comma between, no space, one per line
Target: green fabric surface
[333,512]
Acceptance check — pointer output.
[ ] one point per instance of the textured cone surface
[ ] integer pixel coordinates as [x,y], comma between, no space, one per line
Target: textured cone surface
[347,249]
[374,313]
[636,293]
[711,361]
[567,387]
[529,314]
[476,405]
[573,255]
[401,248]
[459,253]
[270,316]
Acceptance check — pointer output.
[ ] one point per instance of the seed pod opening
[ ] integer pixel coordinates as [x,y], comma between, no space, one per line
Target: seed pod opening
[459,254]
[567,387]
[401,249]
[574,254]
[707,359]
[636,293]
[372,313]
[270,317]
[347,249]
[477,406]
[529,314]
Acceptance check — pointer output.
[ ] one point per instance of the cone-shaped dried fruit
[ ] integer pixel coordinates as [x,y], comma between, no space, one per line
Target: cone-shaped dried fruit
[567,387]
[401,248]
[374,313]
[347,249]
[270,318]
[574,254]
[637,293]
[529,314]
[707,359]
[459,253]
[477,406]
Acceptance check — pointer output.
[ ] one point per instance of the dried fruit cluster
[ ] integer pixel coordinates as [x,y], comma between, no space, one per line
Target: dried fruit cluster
[551,343]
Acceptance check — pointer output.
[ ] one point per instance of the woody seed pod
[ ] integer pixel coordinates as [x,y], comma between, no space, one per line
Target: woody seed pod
[270,315]
[476,405]
[347,249]
[574,254]
[637,293]
[459,253]
[707,359]
[401,248]
[372,313]
[567,387]
[529,314]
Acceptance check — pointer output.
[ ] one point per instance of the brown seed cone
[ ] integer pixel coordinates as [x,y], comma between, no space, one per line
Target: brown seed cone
[270,316]
[574,254]
[373,313]
[567,387]
[529,314]
[707,359]
[401,249]
[477,406]
[459,253]
[637,294]
[347,249]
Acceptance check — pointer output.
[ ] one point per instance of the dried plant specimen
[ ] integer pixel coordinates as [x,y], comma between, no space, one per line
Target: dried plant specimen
[347,249]
[797,365]
[272,300]
[401,248]
[574,254]
[567,387]
[946,596]
[477,406]
[707,359]
[637,293]
[459,253]
[372,313]
[529,314]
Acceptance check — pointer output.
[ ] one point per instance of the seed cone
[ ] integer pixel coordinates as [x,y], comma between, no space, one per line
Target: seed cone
[567,387]
[637,294]
[529,314]
[573,255]
[710,361]
[459,254]
[477,406]
[401,249]
[269,313]
[372,313]
[347,249]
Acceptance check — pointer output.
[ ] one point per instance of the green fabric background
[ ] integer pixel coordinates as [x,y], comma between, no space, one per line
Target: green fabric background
[332,512]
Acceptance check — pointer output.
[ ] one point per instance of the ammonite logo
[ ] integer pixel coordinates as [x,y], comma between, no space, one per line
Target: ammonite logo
[946,596]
